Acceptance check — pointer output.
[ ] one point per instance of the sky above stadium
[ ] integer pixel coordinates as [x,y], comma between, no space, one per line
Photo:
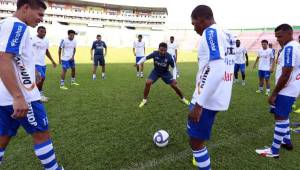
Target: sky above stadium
[239,13]
[228,13]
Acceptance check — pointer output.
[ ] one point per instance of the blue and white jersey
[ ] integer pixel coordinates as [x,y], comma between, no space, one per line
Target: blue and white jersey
[161,63]
[215,74]
[40,46]
[265,58]
[290,57]
[68,47]
[98,47]
[240,55]
[15,39]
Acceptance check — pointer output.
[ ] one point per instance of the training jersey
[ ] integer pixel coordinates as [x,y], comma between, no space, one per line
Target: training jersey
[68,47]
[15,39]
[265,57]
[290,57]
[161,63]
[98,47]
[139,48]
[240,55]
[40,46]
[172,47]
[215,74]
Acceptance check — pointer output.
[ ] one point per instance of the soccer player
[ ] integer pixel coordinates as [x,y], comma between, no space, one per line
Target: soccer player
[241,61]
[286,90]
[172,49]
[139,53]
[98,56]
[40,49]
[162,60]
[213,82]
[273,49]
[20,98]
[66,53]
[265,67]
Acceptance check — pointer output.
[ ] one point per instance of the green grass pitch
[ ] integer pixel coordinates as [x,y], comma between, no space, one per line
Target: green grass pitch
[98,124]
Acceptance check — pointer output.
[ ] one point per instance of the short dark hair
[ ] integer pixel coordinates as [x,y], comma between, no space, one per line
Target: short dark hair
[238,40]
[264,41]
[162,44]
[172,37]
[202,11]
[283,27]
[140,36]
[32,3]
[41,27]
[71,32]
[98,35]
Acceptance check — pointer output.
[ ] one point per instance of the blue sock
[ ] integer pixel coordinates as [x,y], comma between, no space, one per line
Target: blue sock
[2,150]
[46,155]
[202,159]
[287,137]
[281,128]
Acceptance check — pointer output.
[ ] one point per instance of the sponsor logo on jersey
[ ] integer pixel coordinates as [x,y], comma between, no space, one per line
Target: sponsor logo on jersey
[17,36]
[30,116]
[24,75]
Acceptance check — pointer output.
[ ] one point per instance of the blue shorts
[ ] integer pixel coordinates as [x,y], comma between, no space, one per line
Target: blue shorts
[99,60]
[138,58]
[41,70]
[68,64]
[283,106]
[201,130]
[166,77]
[237,67]
[35,121]
[264,74]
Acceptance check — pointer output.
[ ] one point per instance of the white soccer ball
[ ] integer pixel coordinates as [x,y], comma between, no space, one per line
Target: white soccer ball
[161,138]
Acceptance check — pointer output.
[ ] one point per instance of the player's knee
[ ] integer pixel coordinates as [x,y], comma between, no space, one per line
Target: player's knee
[40,137]
[149,82]
[4,140]
[196,144]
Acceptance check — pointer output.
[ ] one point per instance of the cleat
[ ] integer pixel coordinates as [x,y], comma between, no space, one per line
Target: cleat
[142,76]
[267,152]
[185,101]
[103,77]
[267,94]
[75,84]
[144,101]
[194,161]
[287,147]
[258,91]
[297,111]
[243,83]
[63,87]
[138,74]
[44,99]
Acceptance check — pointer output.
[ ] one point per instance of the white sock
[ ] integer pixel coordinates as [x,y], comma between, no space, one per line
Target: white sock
[94,76]
[73,79]
[103,74]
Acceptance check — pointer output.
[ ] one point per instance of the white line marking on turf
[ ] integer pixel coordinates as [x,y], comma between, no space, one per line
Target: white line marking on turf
[187,152]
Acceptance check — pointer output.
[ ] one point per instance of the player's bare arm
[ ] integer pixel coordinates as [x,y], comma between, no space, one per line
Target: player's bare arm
[59,55]
[9,79]
[48,54]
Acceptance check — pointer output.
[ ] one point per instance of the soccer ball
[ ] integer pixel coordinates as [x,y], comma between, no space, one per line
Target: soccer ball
[161,138]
